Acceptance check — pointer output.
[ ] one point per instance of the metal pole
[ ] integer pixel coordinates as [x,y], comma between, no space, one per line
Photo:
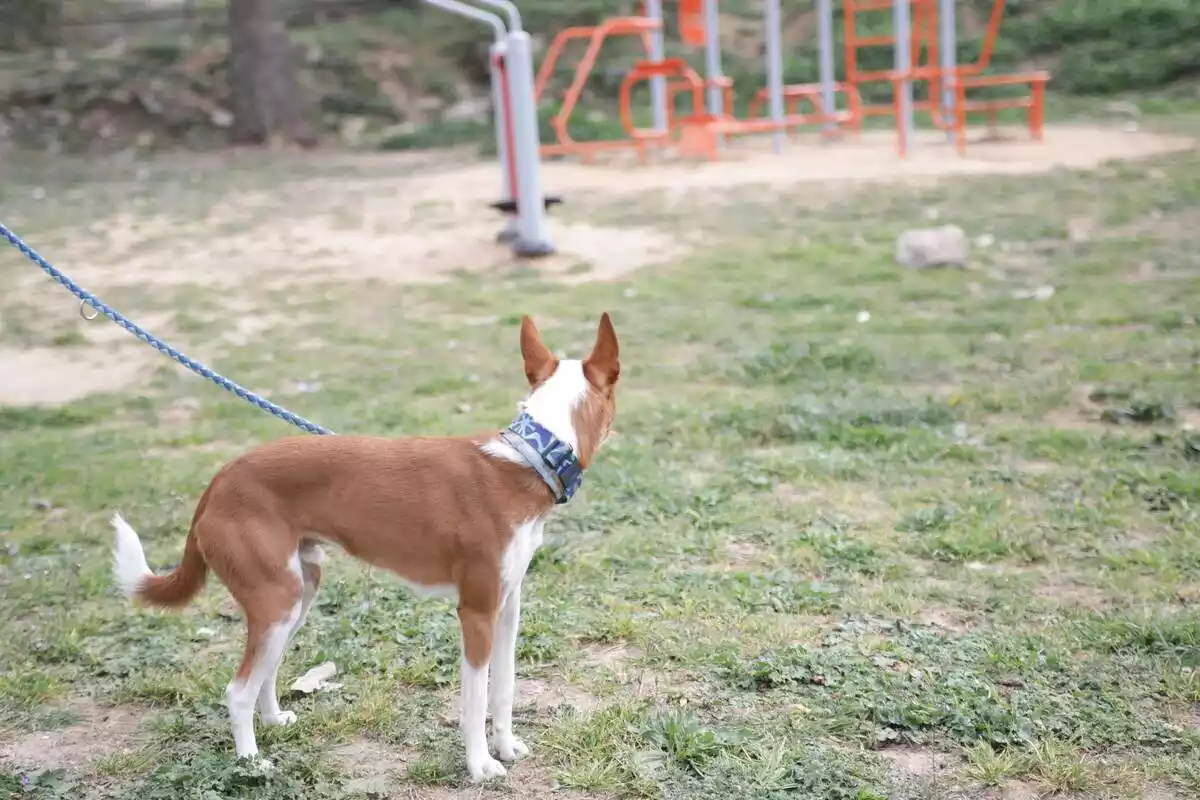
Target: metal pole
[530,236]
[658,84]
[902,33]
[948,31]
[496,54]
[500,120]
[510,10]
[774,65]
[533,238]
[464,10]
[825,40]
[712,57]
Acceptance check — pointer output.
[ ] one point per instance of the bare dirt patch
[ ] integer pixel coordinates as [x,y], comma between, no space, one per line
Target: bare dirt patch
[955,620]
[107,358]
[1018,790]
[539,695]
[100,733]
[612,656]
[1075,419]
[1062,592]
[547,695]
[871,157]
[918,762]
[373,767]
[528,780]
[426,226]
[665,689]
[56,375]
[742,554]
[1038,467]
[320,246]
[859,504]
[1160,793]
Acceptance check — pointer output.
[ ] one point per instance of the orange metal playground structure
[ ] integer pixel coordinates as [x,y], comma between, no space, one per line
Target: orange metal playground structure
[924,55]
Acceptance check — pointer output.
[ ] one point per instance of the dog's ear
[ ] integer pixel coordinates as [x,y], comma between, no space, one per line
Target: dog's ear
[603,367]
[540,363]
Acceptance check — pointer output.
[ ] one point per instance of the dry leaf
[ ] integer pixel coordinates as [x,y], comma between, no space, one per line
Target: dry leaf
[317,679]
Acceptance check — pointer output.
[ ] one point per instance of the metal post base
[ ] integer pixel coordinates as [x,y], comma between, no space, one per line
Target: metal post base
[509,232]
[524,248]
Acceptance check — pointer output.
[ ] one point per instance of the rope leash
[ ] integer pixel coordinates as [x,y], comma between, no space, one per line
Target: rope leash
[90,299]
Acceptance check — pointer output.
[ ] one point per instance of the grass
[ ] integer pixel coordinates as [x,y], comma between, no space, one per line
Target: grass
[818,551]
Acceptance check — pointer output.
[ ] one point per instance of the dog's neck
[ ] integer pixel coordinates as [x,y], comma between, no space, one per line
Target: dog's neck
[555,462]
[543,437]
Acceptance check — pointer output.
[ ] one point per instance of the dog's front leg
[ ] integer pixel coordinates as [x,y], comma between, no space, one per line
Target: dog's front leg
[478,621]
[502,690]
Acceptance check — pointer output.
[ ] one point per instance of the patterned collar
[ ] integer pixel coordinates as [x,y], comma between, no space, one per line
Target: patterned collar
[552,459]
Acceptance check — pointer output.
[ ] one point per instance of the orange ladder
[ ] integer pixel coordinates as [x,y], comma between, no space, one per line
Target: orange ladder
[969,76]
[923,37]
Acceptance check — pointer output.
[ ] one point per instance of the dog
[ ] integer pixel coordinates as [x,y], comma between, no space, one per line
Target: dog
[459,517]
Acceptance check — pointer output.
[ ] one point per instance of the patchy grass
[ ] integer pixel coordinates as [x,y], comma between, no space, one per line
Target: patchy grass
[951,550]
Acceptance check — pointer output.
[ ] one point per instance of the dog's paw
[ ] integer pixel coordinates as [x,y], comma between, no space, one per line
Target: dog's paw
[487,769]
[280,718]
[509,748]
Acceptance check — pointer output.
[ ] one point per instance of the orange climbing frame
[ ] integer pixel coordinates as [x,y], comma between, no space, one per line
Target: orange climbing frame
[700,129]
[811,93]
[924,40]
[686,79]
[969,76]
[1034,103]
[692,30]
[596,35]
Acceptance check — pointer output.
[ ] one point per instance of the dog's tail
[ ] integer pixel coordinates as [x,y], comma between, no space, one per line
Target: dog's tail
[139,583]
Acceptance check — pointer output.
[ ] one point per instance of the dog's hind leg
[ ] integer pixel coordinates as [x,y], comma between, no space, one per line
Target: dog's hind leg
[268,631]
[311,557]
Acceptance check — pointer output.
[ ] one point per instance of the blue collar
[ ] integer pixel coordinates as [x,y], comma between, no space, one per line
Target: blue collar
[552,459]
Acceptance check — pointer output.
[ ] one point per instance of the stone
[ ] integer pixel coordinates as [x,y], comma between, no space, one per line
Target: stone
[924,248]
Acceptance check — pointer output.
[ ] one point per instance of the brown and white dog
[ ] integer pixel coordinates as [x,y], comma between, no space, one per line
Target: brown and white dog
[459,517]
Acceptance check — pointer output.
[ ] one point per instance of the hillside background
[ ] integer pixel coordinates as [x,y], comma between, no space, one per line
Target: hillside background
[106,75]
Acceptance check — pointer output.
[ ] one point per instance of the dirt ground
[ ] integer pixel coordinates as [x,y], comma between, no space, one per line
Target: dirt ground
[430,228]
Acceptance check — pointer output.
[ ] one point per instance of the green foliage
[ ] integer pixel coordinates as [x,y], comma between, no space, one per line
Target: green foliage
[921,685]
[1116,46]
[443,134]
[30,23]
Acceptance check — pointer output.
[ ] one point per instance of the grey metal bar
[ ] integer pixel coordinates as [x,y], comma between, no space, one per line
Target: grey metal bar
[464,10]
[658,84]
[902,33]
[825,43]
[948,33]
[774,70]
[509,9]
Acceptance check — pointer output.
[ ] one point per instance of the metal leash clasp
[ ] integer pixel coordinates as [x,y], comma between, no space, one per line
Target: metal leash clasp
[83,307]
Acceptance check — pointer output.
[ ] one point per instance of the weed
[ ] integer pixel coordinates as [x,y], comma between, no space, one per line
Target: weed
[991,766]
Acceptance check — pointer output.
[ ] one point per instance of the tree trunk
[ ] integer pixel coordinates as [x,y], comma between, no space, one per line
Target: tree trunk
[267,102]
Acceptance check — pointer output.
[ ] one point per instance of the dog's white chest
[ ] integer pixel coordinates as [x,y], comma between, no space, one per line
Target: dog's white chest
[526,540]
